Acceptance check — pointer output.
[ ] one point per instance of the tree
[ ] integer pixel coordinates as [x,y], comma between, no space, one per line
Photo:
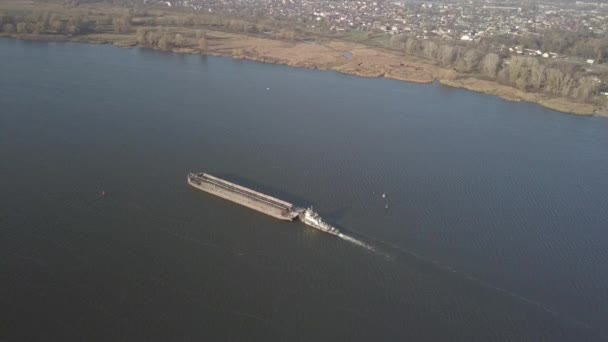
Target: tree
[237,25]
[165,42]
[558,83]
[150,38]
[8,28]
[104,20]
[202,44]
[4,19]
[396,41]
[286,34]
[57,25]
[42,22]
[447,55]
[188,21]
[588,88]
[141,36]
[514,70]
[490,65]
[537,75]
[179,40]
[429,49]
[411,46]
[22,28]
[122,23]
[253,29]
[75,24]
[469,61]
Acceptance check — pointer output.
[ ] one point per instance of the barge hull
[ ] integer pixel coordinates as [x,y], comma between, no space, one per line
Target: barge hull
[246,197]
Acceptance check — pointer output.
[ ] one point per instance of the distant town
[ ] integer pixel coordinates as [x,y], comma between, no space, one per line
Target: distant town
[468,21]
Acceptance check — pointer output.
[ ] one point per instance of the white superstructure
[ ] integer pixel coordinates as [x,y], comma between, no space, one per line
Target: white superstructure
[313,219]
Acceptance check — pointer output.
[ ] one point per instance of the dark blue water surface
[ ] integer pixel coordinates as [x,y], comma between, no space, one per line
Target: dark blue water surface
[494,226]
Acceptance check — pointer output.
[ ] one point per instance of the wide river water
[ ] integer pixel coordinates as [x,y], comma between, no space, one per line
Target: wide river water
[494,226]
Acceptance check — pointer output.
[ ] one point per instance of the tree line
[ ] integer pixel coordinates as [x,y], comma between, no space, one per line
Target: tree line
[74,23]
[164,39]
[551,77]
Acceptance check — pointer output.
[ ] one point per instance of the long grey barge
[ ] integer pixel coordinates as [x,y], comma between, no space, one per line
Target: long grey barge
[244,196]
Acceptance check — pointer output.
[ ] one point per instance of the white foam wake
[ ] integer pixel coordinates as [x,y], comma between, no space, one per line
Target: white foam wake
[356,242]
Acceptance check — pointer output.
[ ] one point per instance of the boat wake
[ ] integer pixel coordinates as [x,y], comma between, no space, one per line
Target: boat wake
[363,244]
[486,284]
[356,242]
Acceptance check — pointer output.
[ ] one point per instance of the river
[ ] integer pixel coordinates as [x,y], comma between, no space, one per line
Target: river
[493,226]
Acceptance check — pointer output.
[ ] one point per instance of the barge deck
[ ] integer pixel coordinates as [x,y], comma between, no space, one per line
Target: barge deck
[244,196]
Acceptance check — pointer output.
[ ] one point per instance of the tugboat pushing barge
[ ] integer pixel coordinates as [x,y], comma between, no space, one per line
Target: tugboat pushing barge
[313,219]
[258,201]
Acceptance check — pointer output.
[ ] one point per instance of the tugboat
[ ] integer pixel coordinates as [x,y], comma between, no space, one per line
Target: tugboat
[311,218]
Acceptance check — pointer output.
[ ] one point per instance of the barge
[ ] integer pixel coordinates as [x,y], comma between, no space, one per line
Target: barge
[244,196]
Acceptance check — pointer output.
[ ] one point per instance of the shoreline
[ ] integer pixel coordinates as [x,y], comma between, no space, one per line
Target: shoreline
[329,56]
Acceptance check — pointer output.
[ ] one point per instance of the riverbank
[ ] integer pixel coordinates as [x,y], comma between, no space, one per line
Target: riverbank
[321,54]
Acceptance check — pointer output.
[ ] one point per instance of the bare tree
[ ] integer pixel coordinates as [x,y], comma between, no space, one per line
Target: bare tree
[75,24]
[447,55]
[588,88]
[396,41]
[558,83]
[141,36]
[153,38]
[104,20]
[411,46]
[179,40]
[490,65]
[58,26]
[166,41]
[429,49]
[22,28]
[469,61]
[8,28]
[537,75]
[122,23]
[202,44]
[515,69]
[42,21]
[237,25]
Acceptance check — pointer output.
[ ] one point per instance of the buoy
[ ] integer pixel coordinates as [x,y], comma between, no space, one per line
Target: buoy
[103,193]
[383,195]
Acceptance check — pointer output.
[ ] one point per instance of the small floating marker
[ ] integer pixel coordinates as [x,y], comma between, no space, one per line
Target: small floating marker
[383,195]
[386,206]
[103,193]
[267,88]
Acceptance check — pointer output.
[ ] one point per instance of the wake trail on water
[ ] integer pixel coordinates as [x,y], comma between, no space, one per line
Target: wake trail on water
[356,242]
[360,243]
[483,283]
